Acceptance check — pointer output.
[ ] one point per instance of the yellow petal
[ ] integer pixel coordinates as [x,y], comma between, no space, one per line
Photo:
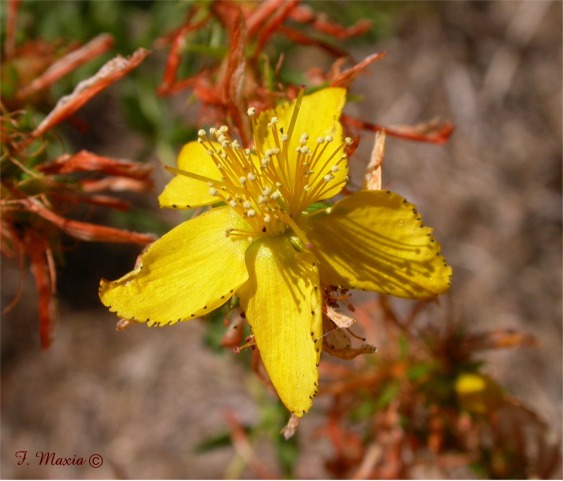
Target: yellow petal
[189,272]
[375,240]
[319,116]
[185,193]
[282,301]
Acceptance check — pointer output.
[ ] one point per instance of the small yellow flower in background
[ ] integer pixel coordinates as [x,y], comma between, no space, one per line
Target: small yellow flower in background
[478,393]
[260,243]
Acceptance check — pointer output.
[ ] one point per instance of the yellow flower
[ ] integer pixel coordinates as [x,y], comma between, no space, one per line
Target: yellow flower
[264,243]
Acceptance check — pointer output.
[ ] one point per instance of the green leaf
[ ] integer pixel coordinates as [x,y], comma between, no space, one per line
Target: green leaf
[221,440]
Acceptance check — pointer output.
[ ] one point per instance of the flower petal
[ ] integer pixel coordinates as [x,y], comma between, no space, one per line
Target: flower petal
[375,240]
[318,116]
[184,192]
[187,273]
[282,301]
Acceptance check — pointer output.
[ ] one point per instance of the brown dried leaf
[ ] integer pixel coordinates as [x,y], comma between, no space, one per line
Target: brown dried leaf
[305,14]
[117,184]
[233,335]
[73,198]
[433,131]
[500,339]
[262,27]
[341,320]
[43,269]
[304,39]
[72,60]
[123,324]
[86,231]
[259,16]
[85,161]
[372,177]
[345,78]
[177,40]
[337,342]
[233,78]
[110,73]
[11,24]
[291,427]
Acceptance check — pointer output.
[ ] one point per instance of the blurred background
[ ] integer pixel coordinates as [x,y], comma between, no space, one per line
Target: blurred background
[163,403]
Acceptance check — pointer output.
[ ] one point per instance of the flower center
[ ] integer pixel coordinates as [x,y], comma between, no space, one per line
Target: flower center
[273,183]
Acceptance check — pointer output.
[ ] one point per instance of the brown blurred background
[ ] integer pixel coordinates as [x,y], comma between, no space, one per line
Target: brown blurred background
[144,399]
